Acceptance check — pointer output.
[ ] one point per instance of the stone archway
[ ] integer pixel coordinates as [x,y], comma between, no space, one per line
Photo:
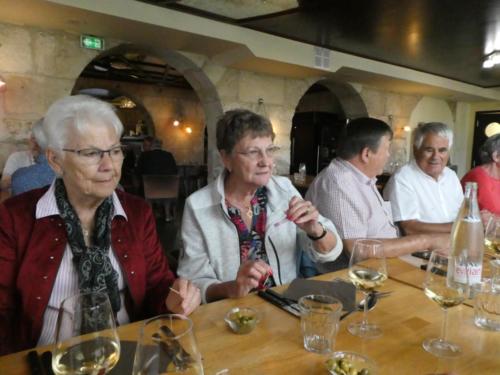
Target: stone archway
[349,99]
[318,120]
[201,84]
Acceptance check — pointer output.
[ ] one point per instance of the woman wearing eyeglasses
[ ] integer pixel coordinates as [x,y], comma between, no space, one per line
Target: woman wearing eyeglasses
[80,235]
[246,229]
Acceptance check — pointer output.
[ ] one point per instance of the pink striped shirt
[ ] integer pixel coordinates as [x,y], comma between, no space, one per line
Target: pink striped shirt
[350,199]
[66,283]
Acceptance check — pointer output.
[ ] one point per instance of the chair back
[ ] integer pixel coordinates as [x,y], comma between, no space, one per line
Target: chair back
[161,186]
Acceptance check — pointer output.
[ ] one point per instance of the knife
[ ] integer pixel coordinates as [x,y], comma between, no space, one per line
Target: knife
[277,300]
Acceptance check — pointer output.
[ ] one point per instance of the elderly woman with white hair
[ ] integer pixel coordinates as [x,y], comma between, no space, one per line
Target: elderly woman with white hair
[81,235]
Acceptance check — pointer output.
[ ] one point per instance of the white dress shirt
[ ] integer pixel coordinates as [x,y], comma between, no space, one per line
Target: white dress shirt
[414,195]
[16,160]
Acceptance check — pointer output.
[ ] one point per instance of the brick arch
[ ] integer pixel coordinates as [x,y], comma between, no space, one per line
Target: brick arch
[201,84]
[350,100]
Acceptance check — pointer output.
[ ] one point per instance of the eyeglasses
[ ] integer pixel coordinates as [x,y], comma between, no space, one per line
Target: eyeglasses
[256,153]
[93,156]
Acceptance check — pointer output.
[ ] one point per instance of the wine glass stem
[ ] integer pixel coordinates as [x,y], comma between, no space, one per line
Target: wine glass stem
[444,325]
[365,309]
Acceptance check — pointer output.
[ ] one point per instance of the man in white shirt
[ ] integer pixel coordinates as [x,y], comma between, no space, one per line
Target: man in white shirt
[19,159]
[425,194]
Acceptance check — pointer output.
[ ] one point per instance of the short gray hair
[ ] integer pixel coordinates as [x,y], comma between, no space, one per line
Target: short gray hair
[236,124]
[77,113]
[39,134]
[437,128]
[489,147]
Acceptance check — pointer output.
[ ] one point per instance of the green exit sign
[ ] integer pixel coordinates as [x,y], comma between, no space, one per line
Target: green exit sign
[91,42]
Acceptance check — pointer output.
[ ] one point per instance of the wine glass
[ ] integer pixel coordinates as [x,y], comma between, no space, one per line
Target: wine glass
[86,338]
[167,345]
[492,235]
[446,283]
[367,271]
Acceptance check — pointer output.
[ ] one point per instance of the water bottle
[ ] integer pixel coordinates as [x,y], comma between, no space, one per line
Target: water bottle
[467,238]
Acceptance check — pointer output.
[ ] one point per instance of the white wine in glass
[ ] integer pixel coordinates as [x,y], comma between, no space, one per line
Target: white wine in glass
[447,291]
[367,271]
[492,236]
[86,338]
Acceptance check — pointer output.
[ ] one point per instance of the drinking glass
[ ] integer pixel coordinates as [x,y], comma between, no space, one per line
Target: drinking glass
[86,338]
[319,320]
[447,291]
[367,271]
[492,235]
[167,345]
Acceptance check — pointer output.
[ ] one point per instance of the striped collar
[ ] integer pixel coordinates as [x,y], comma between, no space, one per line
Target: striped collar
[47,205]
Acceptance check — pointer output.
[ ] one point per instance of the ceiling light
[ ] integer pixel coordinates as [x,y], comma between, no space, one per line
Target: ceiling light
[176,123]
[491,59]
[100,68]
[189,130]
[492,129]
[2,84]
[407,128]
[120,65]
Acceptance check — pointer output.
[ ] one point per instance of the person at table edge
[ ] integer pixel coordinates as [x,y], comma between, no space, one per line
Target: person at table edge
[425,194]
[37,175]
[487,176]
[345,192]
[246,230]
[80,235]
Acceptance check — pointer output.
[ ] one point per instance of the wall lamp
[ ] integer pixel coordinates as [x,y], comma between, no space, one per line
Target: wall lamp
[491,59]
[2,84]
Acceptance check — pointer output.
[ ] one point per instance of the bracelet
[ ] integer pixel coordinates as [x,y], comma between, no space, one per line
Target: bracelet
[320,236]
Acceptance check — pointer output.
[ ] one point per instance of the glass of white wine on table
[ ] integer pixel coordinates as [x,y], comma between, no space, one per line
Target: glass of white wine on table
[86,337]
[492,236]
[446,283]
[367,271]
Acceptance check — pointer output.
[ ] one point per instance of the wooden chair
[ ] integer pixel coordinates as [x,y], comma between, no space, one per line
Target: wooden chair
[163,189]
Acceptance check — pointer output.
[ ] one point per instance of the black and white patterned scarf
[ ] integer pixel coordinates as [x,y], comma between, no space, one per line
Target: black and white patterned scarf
[95,272]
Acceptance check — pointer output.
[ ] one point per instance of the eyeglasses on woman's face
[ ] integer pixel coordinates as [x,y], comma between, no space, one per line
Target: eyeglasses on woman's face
[93,156]
[256,154]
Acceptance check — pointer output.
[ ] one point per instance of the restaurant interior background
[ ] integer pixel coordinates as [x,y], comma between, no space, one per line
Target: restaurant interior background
[307,65]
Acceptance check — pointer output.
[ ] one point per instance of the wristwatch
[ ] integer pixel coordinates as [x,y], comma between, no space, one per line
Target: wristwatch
[323,234]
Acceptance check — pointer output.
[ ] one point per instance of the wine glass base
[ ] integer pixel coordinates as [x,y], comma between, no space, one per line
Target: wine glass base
[364,330]
[441,348]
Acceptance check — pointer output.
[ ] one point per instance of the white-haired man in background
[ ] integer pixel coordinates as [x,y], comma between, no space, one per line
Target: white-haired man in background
[425,194]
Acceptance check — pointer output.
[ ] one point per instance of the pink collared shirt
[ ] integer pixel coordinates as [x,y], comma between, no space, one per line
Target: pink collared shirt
[66,283]
[350,199]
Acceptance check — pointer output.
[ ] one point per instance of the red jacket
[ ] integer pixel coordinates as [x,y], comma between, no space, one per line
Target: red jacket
[31,251]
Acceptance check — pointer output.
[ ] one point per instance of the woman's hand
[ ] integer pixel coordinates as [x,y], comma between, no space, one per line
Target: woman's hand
[305,216]
[187,298]
[249,276]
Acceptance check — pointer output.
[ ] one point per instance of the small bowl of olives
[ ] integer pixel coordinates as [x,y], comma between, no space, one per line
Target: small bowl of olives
[350,363]
[242,320]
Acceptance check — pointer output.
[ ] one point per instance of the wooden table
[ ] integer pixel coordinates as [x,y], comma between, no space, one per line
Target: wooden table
[407,317]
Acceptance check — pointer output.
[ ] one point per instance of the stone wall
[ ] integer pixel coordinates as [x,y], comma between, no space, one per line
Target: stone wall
[38,66]
[41,66]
